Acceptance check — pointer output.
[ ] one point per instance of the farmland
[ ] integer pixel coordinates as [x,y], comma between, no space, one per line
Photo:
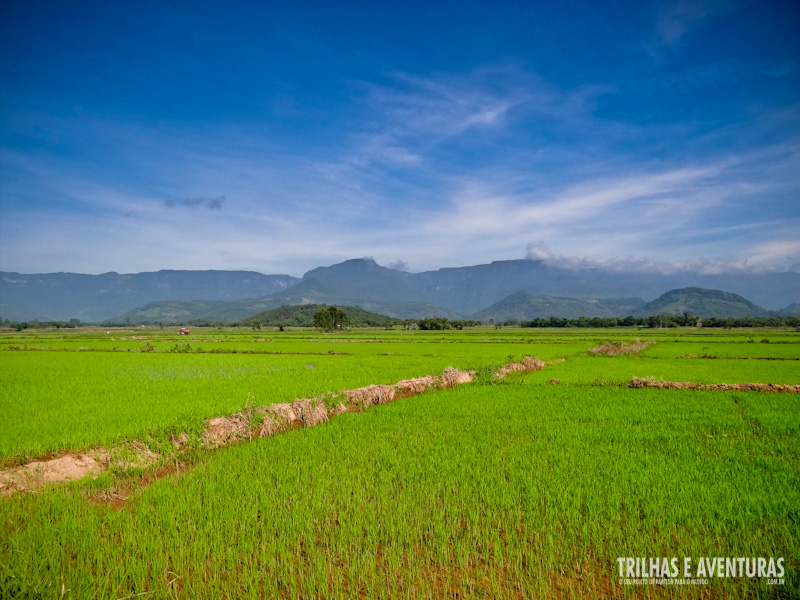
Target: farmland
[526,487]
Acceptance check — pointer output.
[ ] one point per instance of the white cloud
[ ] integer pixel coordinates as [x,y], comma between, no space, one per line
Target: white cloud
[538,251]
[399,265]
[647,265]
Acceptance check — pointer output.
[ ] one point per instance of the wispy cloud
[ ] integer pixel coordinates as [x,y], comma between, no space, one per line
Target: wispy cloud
[480,209]
[442,170]
[407,119]
[776,250]
[448,105]
[675,19]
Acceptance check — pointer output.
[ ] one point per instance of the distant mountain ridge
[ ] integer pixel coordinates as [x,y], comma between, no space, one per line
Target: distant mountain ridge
[793,310]
[451,292]
[364,279]
[61,296]
[524,306]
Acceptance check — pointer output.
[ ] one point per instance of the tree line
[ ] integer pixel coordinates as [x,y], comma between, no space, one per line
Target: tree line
[335,319]
[651,322]
[661,321]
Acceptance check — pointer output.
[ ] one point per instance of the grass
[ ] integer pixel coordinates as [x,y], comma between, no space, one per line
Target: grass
[485,491]
[619,370]
[61,399]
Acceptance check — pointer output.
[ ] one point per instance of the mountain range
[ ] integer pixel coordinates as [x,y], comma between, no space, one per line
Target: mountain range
[60,296]
[502,290]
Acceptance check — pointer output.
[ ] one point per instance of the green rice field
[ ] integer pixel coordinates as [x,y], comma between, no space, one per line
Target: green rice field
[533,486]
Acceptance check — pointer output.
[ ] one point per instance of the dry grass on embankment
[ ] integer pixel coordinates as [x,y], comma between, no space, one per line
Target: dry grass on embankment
[617,348]
[264,421]
[528,364]
[650,382]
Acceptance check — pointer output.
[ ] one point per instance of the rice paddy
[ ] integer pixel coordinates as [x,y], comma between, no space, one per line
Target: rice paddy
[530,486]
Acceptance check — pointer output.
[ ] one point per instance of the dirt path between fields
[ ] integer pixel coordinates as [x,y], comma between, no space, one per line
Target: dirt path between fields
[54,470]
[252,423]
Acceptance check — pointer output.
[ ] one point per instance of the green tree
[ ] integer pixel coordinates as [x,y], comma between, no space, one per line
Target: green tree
[331,319]
[434,323]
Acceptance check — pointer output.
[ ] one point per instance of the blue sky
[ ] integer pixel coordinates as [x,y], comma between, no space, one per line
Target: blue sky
[280,136]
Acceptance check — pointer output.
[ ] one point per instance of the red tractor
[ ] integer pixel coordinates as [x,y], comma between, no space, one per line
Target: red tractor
[183,331]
